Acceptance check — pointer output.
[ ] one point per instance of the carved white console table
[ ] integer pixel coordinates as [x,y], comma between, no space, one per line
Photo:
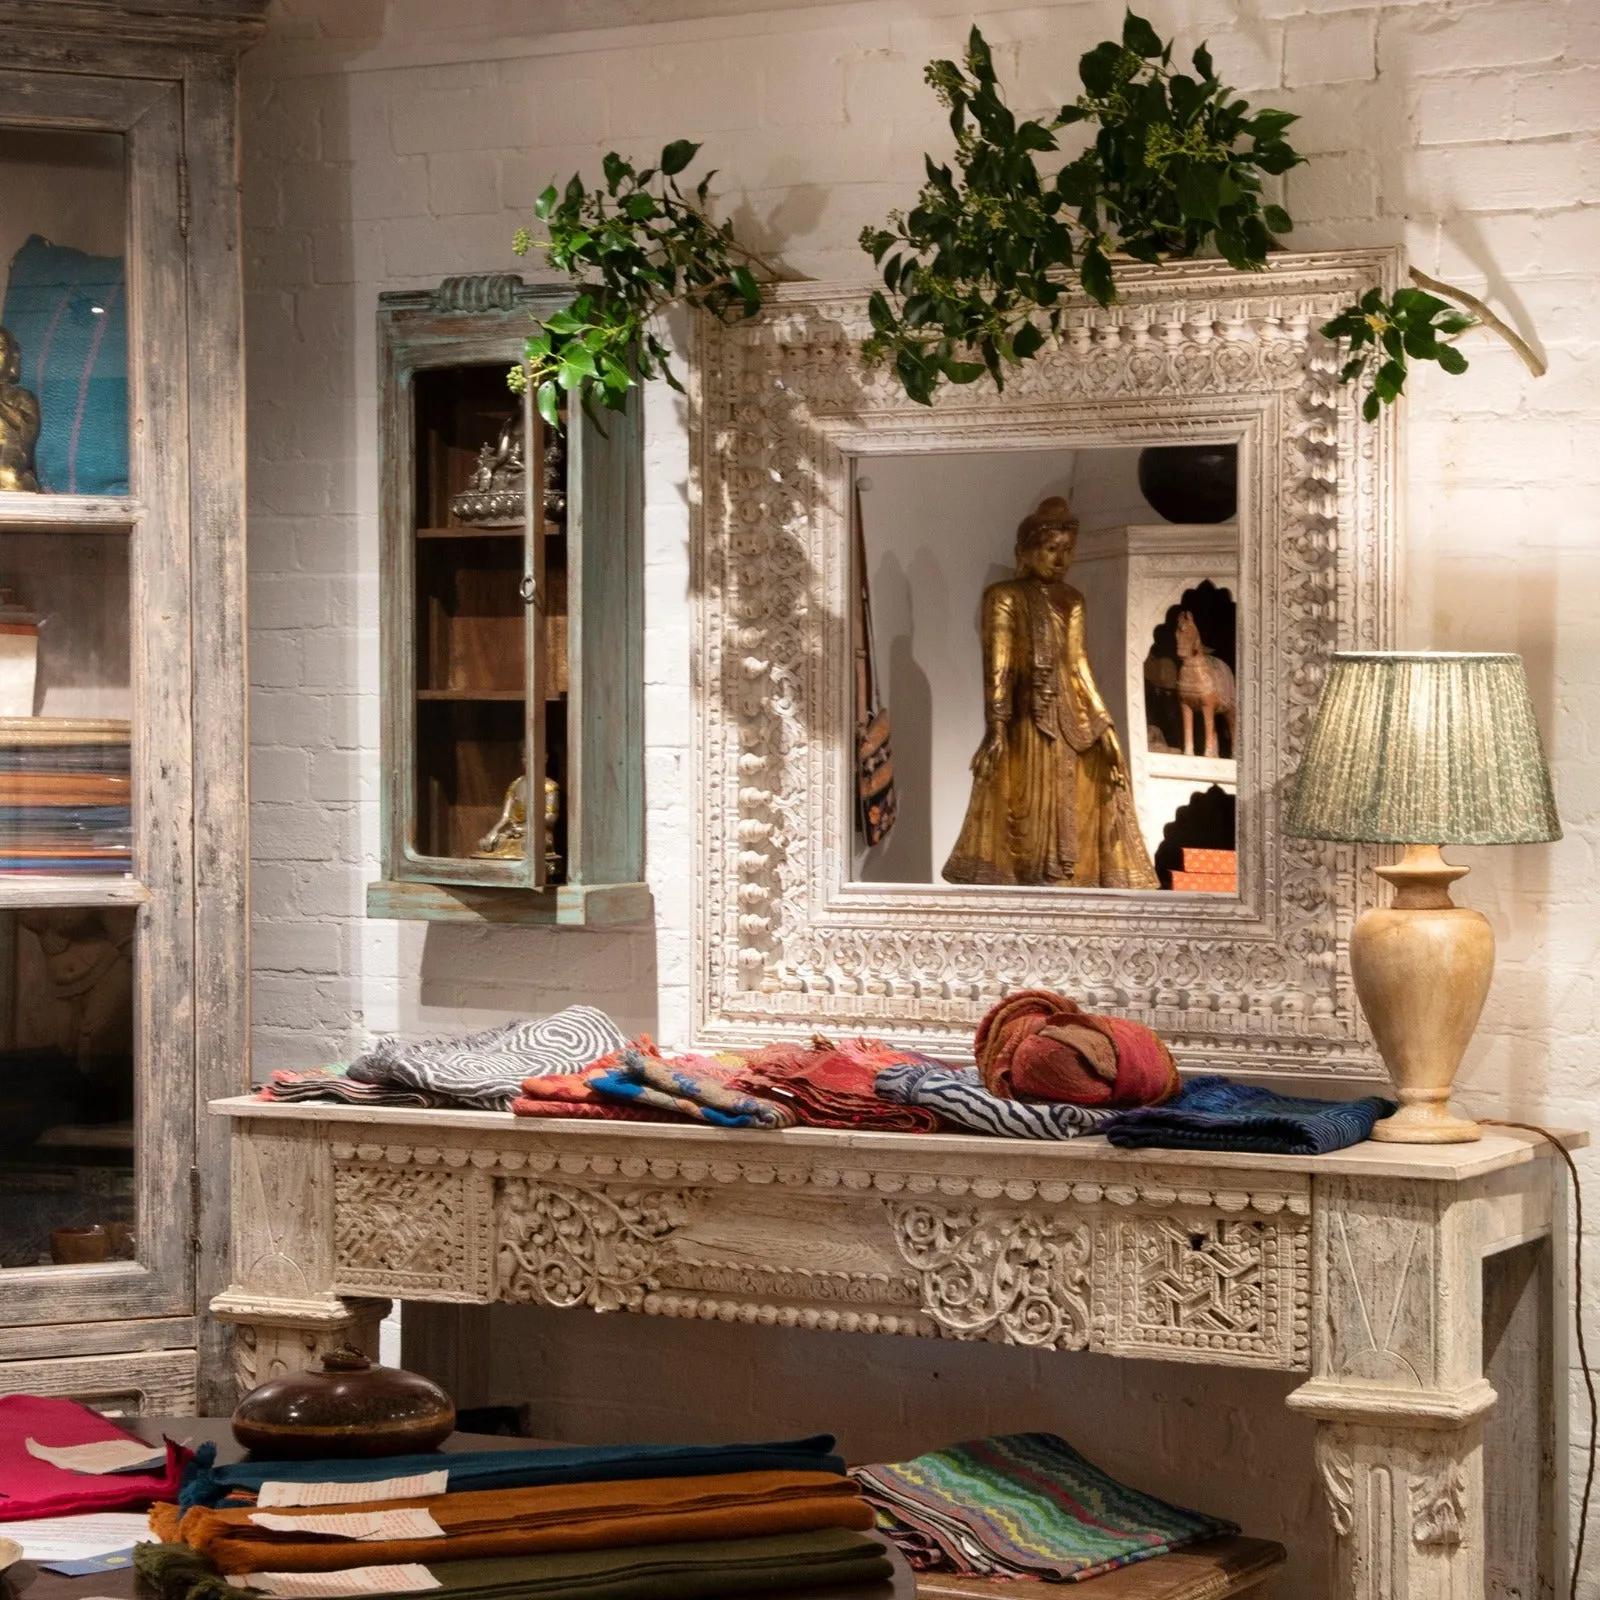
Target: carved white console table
[1408,1284]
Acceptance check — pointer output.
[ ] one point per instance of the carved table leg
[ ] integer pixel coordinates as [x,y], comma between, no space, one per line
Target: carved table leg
[1397,1386]
[280,1297]
[1407,1509]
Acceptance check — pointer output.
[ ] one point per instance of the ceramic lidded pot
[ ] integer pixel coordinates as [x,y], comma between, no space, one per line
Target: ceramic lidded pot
[347,1407]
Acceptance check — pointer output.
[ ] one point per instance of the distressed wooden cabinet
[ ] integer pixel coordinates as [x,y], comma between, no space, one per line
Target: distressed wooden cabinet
[1409,1286]
[512,628]
[123,826]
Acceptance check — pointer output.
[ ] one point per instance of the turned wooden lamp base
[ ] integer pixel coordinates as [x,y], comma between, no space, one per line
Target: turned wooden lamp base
[1422,968]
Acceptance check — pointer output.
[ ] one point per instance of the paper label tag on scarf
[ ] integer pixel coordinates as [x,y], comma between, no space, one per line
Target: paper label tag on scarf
[105,1455]
[404,1522]
[278,1493]
[411,1579]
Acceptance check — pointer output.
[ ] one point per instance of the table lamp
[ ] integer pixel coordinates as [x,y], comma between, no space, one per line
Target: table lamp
[1424,749]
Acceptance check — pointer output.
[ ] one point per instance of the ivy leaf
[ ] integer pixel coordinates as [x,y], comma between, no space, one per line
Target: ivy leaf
[1277,219]
[749,291]
[1389,380]
[1267,124]
[677,155]
[1027,341]
[979,59]
[547,400]
[1139,37]
[1203,64]
[1452,359]
[545,204]
[1198,186]
[1095,275]
[1098,68]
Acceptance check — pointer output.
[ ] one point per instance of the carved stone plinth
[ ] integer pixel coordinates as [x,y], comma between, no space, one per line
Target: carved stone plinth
[1363,1270]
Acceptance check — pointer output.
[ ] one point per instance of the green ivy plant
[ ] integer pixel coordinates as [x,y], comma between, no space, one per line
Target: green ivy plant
[636,247]
[978,275]
[1383,332]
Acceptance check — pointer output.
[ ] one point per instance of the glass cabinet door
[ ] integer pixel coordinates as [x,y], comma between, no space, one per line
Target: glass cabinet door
[484,674]
[96,898]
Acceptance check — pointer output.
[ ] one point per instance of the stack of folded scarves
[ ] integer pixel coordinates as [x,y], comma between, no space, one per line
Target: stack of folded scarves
[636,1523]
[835,1085]
[639,1083]
[33,1487]
[1023,1505]
[478,1071]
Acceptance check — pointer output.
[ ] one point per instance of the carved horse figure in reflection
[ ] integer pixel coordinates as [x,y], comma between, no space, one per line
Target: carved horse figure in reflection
[1205,684]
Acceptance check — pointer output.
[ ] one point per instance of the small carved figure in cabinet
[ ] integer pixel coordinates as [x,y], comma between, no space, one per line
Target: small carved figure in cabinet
[512,614]
[19,420]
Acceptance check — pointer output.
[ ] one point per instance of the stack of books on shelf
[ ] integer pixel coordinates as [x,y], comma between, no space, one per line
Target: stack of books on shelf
[65,795]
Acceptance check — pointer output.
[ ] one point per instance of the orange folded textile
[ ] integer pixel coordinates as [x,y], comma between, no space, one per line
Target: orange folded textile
[566,1516]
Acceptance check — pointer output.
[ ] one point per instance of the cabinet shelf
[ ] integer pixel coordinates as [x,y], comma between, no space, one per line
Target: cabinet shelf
[23,891]
[470,533]
[463,696]
[66,512]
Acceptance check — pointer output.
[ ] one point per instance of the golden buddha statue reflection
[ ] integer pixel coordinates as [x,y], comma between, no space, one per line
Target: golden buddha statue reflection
[19,420]
[1050,801]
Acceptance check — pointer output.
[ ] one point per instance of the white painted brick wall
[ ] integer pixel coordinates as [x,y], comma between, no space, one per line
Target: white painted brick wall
[390,142]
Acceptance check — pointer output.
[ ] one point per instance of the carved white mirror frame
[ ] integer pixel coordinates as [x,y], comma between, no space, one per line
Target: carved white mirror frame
[785,942]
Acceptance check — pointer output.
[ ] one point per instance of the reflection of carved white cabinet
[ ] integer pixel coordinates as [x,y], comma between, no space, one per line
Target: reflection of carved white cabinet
[1406,1283]
[1130,578]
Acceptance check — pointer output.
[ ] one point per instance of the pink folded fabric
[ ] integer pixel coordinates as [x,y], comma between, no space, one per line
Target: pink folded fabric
[30,1487]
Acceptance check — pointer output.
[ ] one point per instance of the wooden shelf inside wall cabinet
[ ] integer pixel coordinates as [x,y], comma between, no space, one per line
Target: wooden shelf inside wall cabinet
[470,533]
[67,511]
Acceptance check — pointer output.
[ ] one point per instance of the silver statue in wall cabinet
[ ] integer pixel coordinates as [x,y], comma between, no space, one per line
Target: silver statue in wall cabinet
[19,420]
[1050,801]
[493,495]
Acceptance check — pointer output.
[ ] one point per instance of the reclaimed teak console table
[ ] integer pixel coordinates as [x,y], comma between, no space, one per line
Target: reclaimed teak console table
[1413,1286]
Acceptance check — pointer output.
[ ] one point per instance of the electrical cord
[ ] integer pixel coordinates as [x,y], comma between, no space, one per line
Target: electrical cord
[1577,1317]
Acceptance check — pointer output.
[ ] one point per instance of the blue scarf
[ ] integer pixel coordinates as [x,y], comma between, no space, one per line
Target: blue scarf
[1214,1114]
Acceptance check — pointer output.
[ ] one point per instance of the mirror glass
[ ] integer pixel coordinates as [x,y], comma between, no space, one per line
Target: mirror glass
[1046,643]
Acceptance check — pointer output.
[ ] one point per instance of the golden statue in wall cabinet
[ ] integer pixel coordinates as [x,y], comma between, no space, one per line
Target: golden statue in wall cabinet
[1050,801]
[19,420]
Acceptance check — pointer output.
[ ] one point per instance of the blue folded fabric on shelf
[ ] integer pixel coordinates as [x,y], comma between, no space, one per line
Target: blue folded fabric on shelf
[957,1095]
[206,1484]
[68,311]
[1214,1113]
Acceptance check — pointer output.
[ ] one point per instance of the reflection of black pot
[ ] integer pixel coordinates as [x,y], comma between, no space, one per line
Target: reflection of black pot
[1191,482]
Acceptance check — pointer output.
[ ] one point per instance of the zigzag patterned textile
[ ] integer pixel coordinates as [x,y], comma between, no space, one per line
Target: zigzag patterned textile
[486,1069]
[957,1094]
[1213,1113]
[1023,1505]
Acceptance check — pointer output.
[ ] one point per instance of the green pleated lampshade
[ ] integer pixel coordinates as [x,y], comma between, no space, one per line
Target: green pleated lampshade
[1424,747]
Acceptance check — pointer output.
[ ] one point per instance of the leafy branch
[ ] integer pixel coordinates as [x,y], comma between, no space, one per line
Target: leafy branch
[1176,165]
[1384,335]
[637,247]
